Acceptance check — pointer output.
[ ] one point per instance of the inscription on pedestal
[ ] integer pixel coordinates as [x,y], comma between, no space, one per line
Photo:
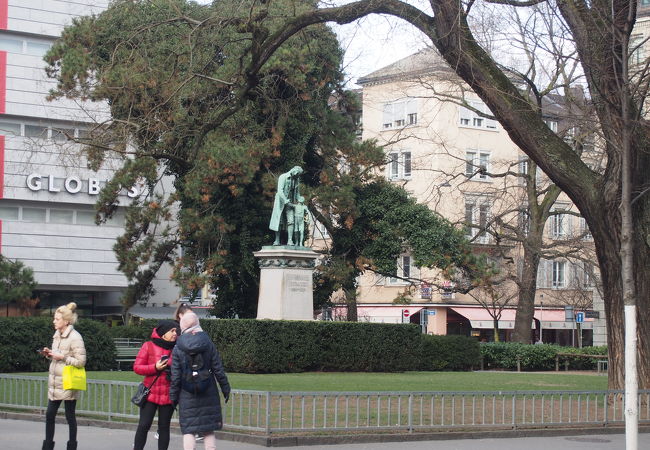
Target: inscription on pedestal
[286,283]
[298,282]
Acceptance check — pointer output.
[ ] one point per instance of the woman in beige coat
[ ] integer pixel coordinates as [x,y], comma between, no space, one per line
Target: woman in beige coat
[67,350]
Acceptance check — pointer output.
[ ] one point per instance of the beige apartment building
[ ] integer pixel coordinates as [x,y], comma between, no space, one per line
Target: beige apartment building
[452,158]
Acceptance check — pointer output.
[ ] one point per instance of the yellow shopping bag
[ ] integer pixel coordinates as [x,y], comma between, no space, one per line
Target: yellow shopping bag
[74,378]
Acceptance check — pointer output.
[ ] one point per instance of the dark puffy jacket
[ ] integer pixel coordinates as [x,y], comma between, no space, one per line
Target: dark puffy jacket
[145,364]
[198,413]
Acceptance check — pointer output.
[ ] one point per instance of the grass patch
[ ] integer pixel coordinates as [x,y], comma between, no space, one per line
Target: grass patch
[405,381]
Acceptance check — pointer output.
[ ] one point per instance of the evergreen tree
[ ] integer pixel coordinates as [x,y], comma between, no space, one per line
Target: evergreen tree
[16,281]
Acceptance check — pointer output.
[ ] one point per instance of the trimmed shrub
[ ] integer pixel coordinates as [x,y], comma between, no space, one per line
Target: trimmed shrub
[139,331]
[367,347]
[277,346]
[264,346]
[274,346]
[100,350]
[503,355]
[579,362]
[449,353]
[24,335]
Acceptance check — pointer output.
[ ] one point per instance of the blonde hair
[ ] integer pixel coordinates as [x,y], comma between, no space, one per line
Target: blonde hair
[68,312]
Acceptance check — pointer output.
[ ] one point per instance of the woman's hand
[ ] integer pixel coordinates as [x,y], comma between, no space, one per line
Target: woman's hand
[56,356]
[162,365]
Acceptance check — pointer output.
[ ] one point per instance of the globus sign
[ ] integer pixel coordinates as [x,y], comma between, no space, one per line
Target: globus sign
[71,184]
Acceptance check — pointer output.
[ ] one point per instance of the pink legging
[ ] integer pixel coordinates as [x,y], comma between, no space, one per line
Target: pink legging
[209,440]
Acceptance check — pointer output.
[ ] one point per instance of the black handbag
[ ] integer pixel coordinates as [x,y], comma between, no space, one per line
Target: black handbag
[141,394]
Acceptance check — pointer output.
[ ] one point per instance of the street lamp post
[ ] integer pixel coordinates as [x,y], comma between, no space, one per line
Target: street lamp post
[541,317]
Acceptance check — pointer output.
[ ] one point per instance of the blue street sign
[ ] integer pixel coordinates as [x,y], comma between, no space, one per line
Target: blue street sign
[580,317]
[431,312]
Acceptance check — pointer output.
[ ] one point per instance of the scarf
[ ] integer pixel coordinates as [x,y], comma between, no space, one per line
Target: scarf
[160,342]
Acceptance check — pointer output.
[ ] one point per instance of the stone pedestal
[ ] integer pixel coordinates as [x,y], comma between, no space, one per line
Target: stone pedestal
[286,286]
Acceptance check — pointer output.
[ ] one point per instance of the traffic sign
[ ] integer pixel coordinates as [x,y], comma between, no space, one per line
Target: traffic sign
[405,313]
[580,317]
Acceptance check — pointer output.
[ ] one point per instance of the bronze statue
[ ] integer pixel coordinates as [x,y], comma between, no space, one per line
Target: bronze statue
[286,198]
[302,218]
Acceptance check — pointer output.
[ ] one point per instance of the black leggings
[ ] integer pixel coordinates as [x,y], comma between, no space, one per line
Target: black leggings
[147,413]
[50,417]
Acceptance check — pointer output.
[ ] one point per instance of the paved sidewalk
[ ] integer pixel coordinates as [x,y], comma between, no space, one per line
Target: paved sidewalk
[28,435]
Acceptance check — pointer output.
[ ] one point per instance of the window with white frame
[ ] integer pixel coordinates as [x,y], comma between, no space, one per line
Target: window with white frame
[560,223]
[552,124]
[471,117]
[524,169]
[524,221]
[25,46]
[319,232]
[558,279]
[399,165]
[37,131]
[636,49]
[524,165]
[56,216]
[477,212]
[399,114]
[477,164]
[587,274]
[584,230]
[405,270]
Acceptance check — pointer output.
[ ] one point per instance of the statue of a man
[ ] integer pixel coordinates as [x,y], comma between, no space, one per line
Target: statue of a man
[283,216]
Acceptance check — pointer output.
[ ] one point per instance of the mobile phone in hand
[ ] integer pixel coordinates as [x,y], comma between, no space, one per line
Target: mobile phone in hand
[164,358]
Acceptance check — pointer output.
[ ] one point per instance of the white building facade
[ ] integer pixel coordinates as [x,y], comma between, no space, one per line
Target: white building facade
[47,194]
[443,154]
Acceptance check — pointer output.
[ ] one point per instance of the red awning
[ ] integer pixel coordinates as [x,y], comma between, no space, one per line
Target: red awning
[555,319]
[381,314]
[480,318]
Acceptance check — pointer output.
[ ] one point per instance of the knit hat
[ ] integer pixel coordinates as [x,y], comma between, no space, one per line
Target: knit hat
[189,320]
[166,325]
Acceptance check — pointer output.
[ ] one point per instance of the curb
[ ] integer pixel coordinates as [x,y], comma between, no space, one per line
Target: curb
[305,440]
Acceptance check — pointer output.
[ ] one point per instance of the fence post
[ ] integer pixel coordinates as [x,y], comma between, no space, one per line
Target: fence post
[557,363]
[518,363]
[110,401]
[268,413]
[410,418]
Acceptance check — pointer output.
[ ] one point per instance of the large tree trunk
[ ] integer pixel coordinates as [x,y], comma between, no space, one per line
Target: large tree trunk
[526,303]
[532,244]
[351,303]
[495,329]
[607,241]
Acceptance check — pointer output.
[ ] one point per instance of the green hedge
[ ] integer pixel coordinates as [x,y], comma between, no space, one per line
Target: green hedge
[23,335]
[273,346]
[140,331]
[503,355]
[276,346]
[450,353]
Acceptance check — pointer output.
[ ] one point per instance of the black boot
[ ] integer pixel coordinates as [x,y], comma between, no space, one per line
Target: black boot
[48,445]
[72,445]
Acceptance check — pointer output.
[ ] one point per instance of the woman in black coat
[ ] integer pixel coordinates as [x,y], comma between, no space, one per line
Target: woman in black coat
[200,410]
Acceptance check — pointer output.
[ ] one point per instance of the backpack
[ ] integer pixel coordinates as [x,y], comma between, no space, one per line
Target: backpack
[196,377]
